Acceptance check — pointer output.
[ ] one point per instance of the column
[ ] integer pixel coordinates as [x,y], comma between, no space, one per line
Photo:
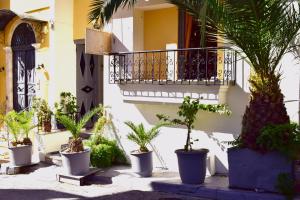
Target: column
[9,78]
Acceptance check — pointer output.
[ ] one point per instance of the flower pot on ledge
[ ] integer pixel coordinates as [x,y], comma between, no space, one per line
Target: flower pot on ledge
[252,170]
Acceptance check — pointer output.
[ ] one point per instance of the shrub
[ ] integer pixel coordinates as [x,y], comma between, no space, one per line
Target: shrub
[105,152]
[101,155]
[284,138]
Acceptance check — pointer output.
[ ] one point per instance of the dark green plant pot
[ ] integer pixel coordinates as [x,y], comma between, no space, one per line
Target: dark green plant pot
[249,169]
[142,163]
[192,165]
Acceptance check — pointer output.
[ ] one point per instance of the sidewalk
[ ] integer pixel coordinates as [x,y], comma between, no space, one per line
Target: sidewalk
[116,183]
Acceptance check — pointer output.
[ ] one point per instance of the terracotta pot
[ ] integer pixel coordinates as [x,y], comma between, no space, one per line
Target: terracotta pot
[47,126]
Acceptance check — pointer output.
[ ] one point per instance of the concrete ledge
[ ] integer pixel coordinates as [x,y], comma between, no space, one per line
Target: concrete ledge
[13,170]
[214,188]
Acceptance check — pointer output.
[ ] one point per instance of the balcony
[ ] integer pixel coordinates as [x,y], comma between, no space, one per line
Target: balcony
[193,66]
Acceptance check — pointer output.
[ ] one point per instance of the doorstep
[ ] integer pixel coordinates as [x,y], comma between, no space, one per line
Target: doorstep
[215,187]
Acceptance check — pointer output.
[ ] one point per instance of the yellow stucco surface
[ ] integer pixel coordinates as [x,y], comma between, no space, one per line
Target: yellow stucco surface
[160,28]
[2,72]
[81,9]
[4,4]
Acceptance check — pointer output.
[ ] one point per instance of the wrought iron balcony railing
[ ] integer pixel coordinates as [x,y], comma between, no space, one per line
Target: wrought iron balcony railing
[199,66]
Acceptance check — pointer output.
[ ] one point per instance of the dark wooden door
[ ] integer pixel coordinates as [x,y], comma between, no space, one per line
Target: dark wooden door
[23,66]
[88,81]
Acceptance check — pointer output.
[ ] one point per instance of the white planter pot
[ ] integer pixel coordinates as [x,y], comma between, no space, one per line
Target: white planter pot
[20,156]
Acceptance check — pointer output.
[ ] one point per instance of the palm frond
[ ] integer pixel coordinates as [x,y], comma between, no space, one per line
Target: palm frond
[154,131]
[141,136]
[69,124]
[103,10]
[12,124]
[84,120]
[263,29]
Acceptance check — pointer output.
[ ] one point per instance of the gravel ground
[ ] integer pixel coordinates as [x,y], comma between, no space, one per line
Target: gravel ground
[113,184]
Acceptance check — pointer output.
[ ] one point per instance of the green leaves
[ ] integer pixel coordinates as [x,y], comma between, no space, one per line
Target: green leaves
[141,136]
[101,11]
[74,127]
[188,111]
[67,105]
[18,123]
[284,138]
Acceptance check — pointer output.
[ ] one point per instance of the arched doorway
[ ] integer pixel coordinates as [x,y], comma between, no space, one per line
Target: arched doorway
[23,66]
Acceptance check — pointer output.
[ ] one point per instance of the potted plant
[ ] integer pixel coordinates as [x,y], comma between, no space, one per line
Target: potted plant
[66,106]
[279,147]
[76,158]
[43,112]
[19,126]
[192,162]
[142,158]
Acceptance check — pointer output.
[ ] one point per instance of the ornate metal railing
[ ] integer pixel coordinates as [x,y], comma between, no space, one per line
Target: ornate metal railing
[200,66]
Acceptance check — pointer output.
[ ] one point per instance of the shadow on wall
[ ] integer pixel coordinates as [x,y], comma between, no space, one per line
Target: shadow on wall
[117,44]
[217,128]
[237,100]
[170,91]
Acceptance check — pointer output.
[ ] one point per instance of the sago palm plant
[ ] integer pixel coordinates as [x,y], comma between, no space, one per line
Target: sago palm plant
[25,119]
[262,29]
[141,136]
[75,144]
[13,126]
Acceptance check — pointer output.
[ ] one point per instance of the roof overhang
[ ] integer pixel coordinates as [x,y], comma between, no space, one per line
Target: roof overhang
[5,16]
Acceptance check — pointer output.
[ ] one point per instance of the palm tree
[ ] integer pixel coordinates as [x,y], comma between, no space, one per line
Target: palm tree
[102,10]
[141,136]
[263,30]
[75,144]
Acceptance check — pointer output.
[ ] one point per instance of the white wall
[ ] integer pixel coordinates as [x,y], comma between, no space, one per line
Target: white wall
[289,68]
[211,129]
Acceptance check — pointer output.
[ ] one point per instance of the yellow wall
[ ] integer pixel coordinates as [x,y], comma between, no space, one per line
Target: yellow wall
[160,28]
[2,73]
[81,9]
[4,4]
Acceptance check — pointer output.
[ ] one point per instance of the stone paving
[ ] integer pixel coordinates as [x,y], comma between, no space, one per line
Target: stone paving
[117,183]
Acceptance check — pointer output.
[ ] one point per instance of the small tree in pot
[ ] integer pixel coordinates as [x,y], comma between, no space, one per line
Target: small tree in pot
[43,112]
[142,158]
[192,163]
[19,126]
[66,106]
[75,158]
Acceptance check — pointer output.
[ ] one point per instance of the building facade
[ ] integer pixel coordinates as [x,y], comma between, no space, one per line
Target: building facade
[153,62]
[42,54]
